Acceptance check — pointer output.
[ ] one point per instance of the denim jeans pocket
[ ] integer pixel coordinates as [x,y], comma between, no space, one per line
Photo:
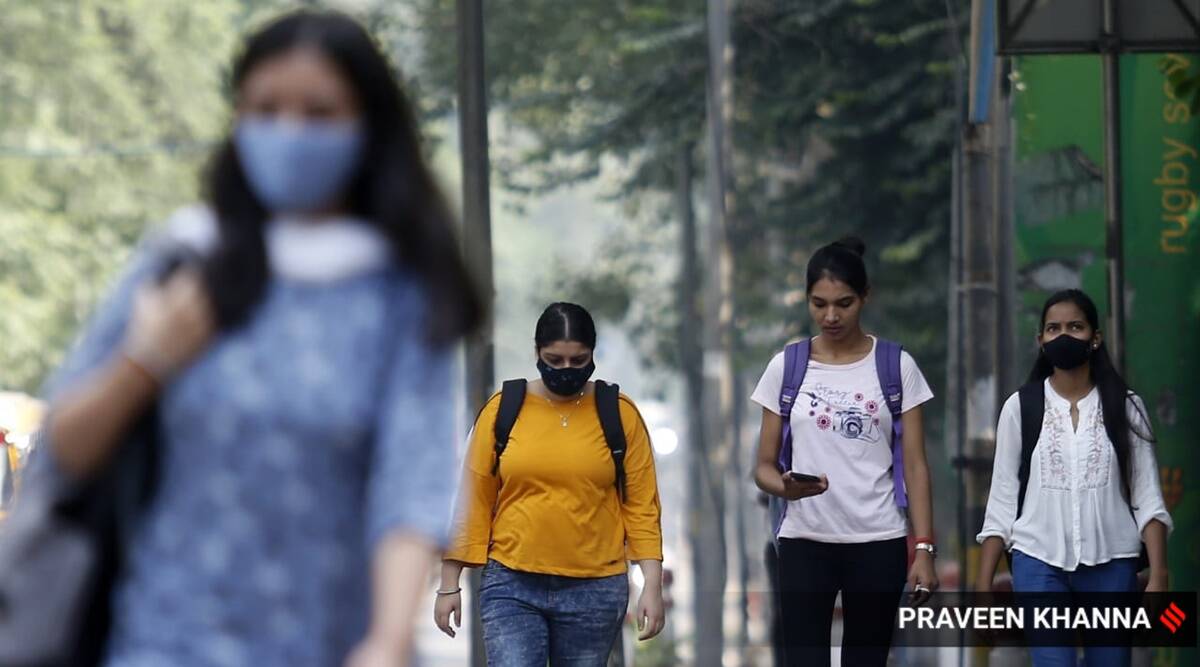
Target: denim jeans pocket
[600,595]
[490,575]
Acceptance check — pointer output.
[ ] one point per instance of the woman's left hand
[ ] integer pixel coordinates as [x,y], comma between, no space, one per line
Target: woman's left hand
[1157,583]
[922,579]
[651,616]
[372,652]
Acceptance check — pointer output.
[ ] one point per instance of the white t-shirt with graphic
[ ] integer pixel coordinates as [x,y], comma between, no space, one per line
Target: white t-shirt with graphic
[841,427]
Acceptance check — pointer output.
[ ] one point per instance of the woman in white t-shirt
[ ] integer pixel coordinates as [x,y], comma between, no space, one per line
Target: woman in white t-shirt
[845,531]
[1092,493]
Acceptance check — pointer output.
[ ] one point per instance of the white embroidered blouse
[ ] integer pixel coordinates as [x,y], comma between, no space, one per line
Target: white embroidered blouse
[1074,510]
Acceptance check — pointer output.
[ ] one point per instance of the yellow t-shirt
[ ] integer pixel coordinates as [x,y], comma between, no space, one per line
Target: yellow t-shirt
[553,508]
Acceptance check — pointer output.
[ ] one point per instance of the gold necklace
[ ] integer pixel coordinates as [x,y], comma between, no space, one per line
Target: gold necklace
[567,416]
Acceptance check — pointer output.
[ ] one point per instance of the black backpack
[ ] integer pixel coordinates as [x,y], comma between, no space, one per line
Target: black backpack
[608,397]
[1032,397]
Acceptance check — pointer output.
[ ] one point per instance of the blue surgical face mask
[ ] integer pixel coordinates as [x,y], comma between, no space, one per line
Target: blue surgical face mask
[297,167]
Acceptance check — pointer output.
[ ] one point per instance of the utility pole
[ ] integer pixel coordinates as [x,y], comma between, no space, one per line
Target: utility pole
[709,551]
[477,232]
[1114,247]
[982,368]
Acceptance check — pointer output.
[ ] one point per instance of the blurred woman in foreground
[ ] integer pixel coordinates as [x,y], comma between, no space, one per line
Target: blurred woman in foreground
[301,367]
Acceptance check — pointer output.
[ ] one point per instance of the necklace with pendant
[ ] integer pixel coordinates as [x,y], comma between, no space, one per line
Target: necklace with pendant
[567,416]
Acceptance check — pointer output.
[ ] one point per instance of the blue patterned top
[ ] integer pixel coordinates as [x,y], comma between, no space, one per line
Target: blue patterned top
[292,446]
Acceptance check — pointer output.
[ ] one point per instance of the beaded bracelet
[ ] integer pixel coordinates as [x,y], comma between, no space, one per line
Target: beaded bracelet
[440,592]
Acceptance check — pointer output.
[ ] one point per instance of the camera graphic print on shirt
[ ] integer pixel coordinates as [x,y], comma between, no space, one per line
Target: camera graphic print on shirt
[850,414]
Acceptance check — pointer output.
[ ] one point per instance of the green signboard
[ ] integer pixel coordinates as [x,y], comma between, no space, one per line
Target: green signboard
[1059,220]
[1161,172]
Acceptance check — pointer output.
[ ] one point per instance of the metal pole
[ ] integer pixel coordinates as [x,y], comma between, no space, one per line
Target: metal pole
[954,364]
[954,393]
[477,230]
[691,352]
[1110,45]
[1008,374]
[710,555]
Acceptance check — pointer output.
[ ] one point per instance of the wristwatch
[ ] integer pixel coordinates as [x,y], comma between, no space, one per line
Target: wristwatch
[927,546]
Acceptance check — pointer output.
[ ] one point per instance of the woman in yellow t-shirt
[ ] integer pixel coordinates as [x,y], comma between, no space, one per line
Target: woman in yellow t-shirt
[547,524]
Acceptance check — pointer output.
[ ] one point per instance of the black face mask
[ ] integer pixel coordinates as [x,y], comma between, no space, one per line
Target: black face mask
[565,381]
[1067,352]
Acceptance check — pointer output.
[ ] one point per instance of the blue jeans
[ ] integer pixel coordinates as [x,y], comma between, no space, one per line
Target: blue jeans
[1031,575]
[531,618]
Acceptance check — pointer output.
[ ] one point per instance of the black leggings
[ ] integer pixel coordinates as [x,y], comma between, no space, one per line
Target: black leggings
[871,578]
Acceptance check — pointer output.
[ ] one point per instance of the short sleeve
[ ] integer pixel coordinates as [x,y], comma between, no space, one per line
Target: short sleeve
[916,389]
[410,486]
[770,384]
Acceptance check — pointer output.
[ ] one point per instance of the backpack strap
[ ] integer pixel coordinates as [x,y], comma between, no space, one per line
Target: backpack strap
[795,366]
[608,407]
[1032,397]
[512,395]
[887,366]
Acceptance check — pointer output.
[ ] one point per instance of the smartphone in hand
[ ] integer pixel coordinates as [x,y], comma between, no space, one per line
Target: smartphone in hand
[802,477]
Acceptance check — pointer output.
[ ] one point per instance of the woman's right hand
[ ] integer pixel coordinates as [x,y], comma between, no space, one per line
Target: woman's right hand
[170,325]
[443,608]
[990,551]
[795,490]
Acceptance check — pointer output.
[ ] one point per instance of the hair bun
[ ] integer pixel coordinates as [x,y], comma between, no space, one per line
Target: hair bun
[853,244]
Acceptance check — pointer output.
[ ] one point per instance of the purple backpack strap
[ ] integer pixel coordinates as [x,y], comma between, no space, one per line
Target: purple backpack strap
[887,365]
[795,366]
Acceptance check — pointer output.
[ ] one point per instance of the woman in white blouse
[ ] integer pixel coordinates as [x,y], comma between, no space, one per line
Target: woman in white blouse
[1092,495]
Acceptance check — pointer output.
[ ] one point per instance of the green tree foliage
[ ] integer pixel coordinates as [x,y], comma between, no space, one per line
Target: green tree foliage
[108,110]
[847,126]
[606,91]
[589,80]
[844,124]
[109,107]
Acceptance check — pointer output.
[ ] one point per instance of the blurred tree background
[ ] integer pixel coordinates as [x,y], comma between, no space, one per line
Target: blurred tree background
[108,110]
[843,123]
